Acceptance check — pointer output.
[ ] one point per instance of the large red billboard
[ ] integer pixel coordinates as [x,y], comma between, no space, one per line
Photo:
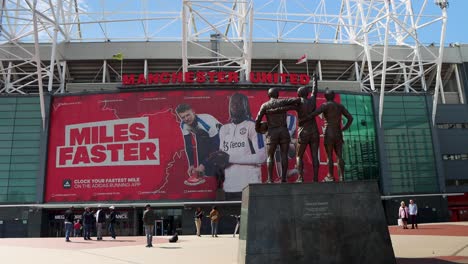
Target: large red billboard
[153,145]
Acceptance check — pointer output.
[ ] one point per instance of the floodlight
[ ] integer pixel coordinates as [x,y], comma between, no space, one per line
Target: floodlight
[441,3]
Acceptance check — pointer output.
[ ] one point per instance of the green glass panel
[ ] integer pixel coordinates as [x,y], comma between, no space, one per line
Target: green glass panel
[22,174]
[4,159]
[394,125]
[360,152]
[25,159]
[28,107]
[28,122]
[3,190]
[6,129]
[28,100]
[5,151]
[28,129]
[23,198]
[23,166]
[7,108]
[393,98]
[26,144]
[6,144]
[25,151]
[8,100]
[7,115]
[4,174]
[22,182]
[6,136]
[21,190]
[422,188]
[415,112]
[3,198]
[28,114]
[4,182]
[410,99]
[6,122]
[26,136]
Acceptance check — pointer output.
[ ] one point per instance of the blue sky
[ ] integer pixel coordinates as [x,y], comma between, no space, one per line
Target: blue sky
[457,23]
[456,31]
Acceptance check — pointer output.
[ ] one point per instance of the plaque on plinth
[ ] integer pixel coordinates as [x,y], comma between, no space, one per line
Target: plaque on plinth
[314,223]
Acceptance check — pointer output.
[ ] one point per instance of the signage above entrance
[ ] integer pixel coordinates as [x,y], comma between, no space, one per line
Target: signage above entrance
[222,77]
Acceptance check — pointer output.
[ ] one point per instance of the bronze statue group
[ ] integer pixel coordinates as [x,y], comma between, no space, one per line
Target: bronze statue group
[277,133]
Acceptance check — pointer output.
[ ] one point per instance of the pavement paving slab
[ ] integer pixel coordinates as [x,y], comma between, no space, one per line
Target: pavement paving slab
[439,243]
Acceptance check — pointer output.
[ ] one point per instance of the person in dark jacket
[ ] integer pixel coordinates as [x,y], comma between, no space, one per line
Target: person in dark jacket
[87,223]
[100,220]
[148,222]
[112,221]
[198,220]
[69,219]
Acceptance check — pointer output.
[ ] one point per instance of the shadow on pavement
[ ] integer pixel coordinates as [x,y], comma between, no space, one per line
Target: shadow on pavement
[170,247]
[425,261]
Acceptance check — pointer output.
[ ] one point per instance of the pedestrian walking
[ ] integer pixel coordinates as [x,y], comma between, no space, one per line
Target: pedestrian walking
[148,221]
[69,219]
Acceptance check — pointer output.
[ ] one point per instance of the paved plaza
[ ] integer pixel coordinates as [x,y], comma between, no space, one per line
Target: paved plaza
[430,244]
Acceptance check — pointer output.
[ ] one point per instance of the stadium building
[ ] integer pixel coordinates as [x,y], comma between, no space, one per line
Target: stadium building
[89,99]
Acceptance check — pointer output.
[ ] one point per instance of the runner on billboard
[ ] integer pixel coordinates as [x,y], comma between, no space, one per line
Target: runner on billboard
[204,128]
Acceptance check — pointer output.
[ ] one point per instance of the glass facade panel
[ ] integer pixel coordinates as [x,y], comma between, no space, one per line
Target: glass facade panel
[360,149]
[26,136]
[4,159]
[27,129]
[408,145]
[27,107]
[25,151]
[6,122]
[5,144]
[20,130]
[4,174]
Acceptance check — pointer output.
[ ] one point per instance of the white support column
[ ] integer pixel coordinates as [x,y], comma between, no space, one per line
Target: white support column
[405,77]
[38,65]
[417,49]
[384,63]
[64,76]
[366,45]
[104,71]
[438,87]
[52,60]
[8,77]
[248,55]
[185,22]
[145,68]
[319,68]
[459,85]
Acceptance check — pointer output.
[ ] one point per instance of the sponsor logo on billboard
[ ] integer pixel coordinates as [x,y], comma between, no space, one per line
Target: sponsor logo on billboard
[67,184]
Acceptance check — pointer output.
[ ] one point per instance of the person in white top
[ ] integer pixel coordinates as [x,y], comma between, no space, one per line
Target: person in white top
[205,129]
[244,145]
[413,214]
